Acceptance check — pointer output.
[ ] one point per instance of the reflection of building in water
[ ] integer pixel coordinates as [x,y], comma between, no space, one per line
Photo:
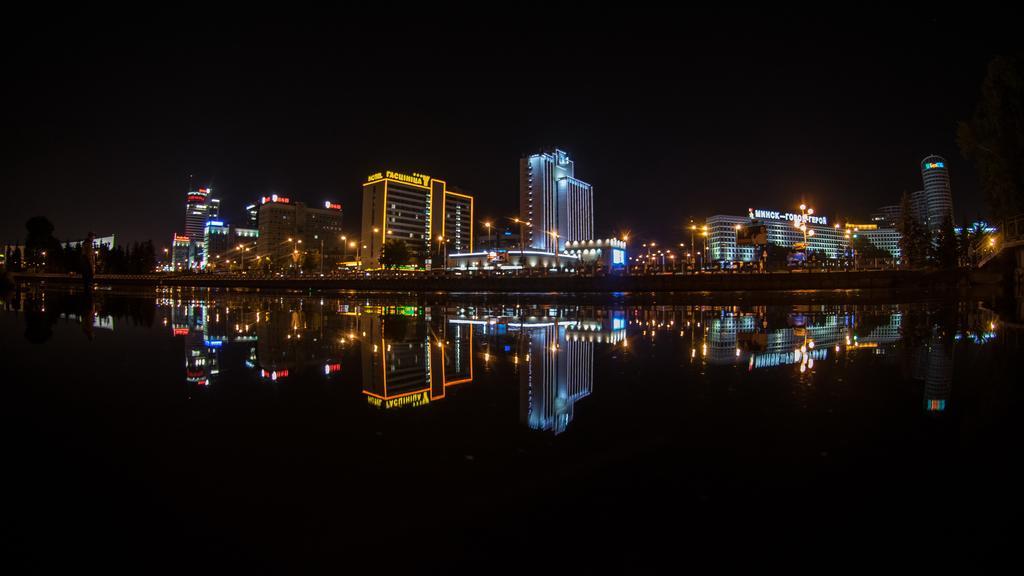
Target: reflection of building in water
[301,335]
[558,374]
[733,337]
[934,365]
[404,365]
[559,369]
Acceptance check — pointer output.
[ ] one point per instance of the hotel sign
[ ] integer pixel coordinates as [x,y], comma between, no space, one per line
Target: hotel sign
[774,215]
[417,179]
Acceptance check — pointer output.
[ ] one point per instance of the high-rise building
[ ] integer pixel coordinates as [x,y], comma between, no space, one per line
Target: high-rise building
[288,231]
[252,215]
[557,207]
[199,208]
[935,203]
[432,219]
[886,216]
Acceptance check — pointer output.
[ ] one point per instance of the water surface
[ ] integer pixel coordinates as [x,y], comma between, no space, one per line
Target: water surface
[199,429]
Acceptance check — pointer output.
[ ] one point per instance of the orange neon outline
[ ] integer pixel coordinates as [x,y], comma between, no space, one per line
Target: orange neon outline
[444,215]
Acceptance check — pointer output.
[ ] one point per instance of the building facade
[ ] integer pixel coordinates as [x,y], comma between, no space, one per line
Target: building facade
[557,206]
[432,219]
[290,231]
[781,229]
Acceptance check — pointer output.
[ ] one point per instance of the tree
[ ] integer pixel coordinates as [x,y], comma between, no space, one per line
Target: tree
[865,251]
[944,249]
[994,136]
[394,254]
[40,240]
[914,237]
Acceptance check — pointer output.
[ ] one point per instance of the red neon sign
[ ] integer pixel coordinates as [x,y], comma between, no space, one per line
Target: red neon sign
[275,198]
[332,205]
[180,331]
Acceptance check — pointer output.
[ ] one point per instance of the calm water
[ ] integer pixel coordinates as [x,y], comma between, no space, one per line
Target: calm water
[205,430]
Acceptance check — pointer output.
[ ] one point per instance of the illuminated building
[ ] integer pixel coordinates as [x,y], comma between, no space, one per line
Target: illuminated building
[781,230]
[432,219]
[180,247]
[887,239]
[934,204]
[552,200]
[512,260]
[222,243]
[216,242]
[608,254]
[199,207]
[290,230]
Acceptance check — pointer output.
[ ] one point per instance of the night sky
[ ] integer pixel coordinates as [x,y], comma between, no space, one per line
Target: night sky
[668,117]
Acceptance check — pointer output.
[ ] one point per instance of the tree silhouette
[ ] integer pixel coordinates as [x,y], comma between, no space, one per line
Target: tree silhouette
[394,254]
[994,136]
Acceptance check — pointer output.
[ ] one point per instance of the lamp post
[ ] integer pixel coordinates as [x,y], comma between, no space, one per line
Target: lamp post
[373,239]
[625,241]
[490,240]
[554,235]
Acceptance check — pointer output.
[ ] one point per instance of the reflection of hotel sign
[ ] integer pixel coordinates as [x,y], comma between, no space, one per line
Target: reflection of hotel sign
[773,215]
[417,399]
[417,179]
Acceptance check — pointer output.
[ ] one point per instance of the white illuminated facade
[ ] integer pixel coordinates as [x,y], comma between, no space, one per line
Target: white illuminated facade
[557,206]
[823,236]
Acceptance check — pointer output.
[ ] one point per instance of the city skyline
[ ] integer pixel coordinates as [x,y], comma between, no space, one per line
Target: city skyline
[764,129]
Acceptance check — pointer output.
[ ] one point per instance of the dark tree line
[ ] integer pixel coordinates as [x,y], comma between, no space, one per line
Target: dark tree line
[45,253]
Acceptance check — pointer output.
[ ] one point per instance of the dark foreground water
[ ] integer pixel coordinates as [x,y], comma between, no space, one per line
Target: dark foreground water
[196,430]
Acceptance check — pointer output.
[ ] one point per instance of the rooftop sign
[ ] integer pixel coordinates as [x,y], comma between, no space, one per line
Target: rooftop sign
[774,215]
[415,179]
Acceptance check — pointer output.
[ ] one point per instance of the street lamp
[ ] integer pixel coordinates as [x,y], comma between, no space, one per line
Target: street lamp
[490,240]
[373,239]
[554,234]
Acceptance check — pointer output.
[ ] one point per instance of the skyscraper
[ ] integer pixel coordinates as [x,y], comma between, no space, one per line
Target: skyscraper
[199,207]
[936,200]
[557,206]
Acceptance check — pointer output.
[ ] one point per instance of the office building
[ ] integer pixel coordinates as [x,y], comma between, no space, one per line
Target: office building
[291,232]
[886,216]
[199,207]
[432,219]
[556,206]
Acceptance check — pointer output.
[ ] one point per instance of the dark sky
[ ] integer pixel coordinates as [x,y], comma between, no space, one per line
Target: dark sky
[667,116]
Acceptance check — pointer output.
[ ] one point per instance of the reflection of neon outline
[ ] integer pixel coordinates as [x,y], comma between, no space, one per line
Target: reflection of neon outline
[427,388]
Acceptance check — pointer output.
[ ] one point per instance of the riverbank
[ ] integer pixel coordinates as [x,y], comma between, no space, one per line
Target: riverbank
[938,281]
